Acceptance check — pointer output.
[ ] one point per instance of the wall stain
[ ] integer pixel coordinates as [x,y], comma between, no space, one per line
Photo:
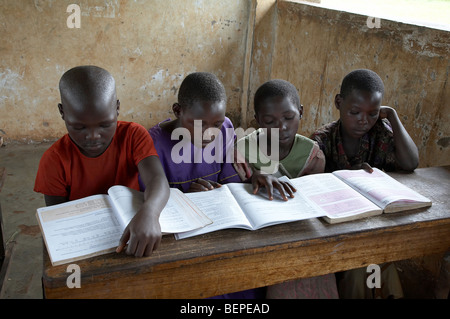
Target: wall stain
[444,142]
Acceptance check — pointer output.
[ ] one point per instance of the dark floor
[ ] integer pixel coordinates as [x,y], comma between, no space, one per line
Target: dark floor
[21,231]
[421,278]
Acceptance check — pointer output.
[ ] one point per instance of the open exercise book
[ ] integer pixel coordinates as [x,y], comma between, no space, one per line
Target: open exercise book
[93,225]
[337,197]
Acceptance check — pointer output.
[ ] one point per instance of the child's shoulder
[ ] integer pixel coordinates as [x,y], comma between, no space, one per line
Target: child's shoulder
[162,129]
[124,126]
[227,123]
[327,128]
[303,139]
[302,142]
[326,133]
[60,151]
[130,131]
[63,144]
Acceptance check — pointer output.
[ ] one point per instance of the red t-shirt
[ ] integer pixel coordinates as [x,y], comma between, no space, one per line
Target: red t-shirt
[65,171]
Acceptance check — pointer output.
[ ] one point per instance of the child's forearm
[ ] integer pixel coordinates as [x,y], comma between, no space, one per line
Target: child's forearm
[156,196]
[143,233]
[406,152]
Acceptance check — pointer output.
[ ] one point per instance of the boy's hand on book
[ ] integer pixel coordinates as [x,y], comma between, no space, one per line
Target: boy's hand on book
[143,235]
[269,182]
[201,185]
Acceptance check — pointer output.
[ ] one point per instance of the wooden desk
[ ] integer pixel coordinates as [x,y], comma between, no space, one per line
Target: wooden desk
[234,260]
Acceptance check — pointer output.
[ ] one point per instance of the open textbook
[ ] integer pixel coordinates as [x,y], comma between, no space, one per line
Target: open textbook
[93,225]
[337,197]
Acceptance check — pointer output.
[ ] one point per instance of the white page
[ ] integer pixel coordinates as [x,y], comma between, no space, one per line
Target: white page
[380,187]
[88,226]
[127,203]
[221,207]
[179,215]
[263,212]
[335,197]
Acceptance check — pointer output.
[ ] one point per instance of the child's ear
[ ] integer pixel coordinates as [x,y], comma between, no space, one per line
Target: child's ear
[60,108]
[338,101]
[177,110]
[300,110]
[118,107]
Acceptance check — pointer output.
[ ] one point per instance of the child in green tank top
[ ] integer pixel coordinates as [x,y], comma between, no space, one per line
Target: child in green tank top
[277,106]
[278,112]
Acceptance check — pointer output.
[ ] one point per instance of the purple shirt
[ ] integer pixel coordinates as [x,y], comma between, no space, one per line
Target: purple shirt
[184,163]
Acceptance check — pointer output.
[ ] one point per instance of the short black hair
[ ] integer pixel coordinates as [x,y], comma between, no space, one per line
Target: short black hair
[201,86]
[363,80]
[86,82]
[273,88]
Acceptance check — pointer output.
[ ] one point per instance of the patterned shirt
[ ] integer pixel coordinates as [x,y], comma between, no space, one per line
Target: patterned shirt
[376,147]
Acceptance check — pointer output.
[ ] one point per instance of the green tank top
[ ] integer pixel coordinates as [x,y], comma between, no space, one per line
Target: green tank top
[291,165]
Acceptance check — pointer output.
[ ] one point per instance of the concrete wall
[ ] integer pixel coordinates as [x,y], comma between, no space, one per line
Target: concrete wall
[314,48]
[150,46]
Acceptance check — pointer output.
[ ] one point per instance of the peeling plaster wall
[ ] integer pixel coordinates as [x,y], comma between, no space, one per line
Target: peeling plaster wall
[314,48]
[149,47]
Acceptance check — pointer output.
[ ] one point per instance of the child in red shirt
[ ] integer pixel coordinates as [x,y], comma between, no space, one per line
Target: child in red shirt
[99,152]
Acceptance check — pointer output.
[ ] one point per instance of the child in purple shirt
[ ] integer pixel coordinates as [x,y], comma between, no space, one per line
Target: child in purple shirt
[192,172]
[197,148]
